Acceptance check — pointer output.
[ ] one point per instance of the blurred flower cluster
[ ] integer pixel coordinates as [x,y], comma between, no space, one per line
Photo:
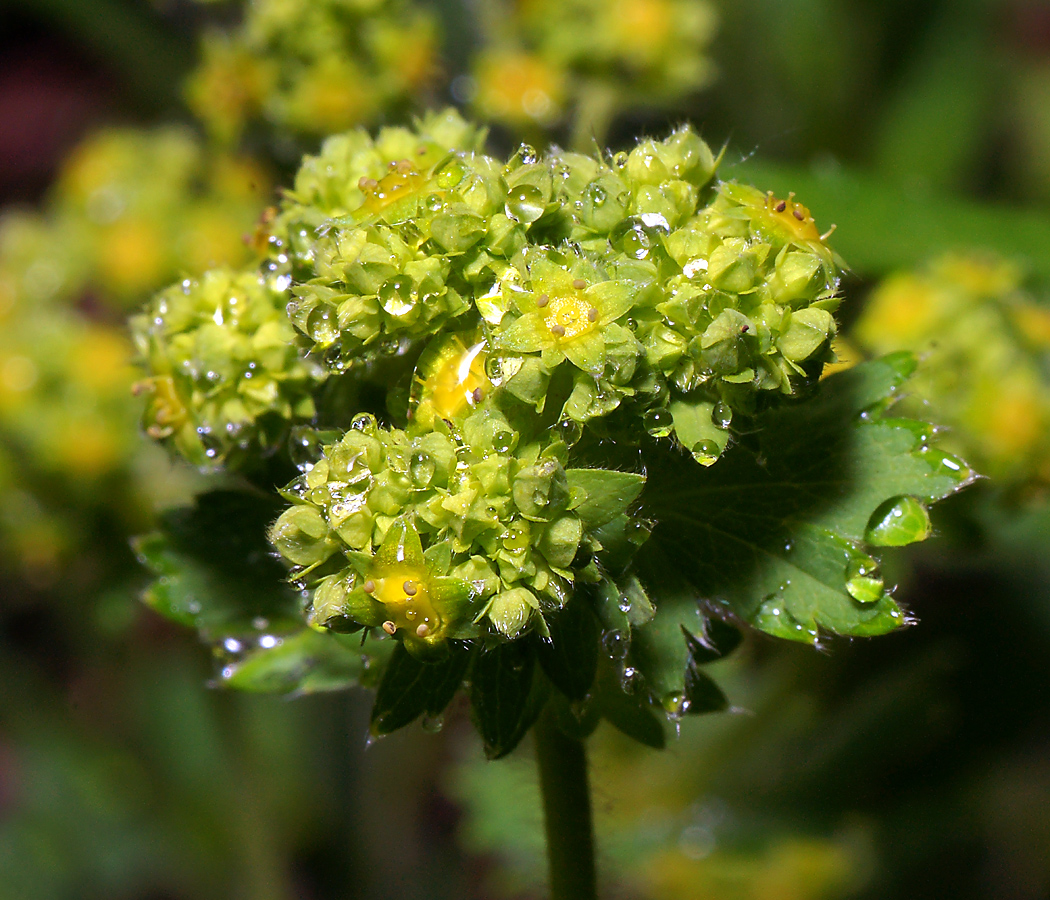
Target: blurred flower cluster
[984,344]
[130,211]
[544,60]
[314,67]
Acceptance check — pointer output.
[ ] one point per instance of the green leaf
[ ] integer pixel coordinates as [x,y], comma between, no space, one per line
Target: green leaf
[306,662]
[569,657]
[773,533]
[215,569]
[702,695]
[629,713]
[411,688]
[505,696]
[608,494]
[694,426]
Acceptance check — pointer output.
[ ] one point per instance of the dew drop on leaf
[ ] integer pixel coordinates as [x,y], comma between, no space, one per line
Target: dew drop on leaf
[863,580]
[659,422]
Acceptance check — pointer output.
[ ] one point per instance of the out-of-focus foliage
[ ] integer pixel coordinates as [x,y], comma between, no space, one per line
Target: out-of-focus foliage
[983,341]
[591,61]
[314,67]
[129,212]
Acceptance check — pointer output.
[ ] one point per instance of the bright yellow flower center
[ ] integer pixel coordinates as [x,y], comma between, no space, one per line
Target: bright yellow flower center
[401,181]
[793,217]
[404,594]
[568,315]
[460,382]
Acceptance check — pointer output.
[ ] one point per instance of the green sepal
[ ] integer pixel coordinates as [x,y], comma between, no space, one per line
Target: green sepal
[401,547]
[694,426]
[305,662]
[607,494]
[214,567]
[506,695]
[411,688]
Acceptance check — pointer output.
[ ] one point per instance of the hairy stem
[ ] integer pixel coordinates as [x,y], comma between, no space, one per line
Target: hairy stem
[567,813]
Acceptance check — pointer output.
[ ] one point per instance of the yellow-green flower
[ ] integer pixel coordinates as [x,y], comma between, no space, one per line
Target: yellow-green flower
[567,313]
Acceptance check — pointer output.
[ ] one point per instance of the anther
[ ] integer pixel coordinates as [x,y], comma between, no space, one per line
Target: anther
[477,395]
[781,206]
[542,300]
[592,315]
[558,330]
[410,588]
[744,329]
[579,284]
[389,627]
[423,630]
[369,586]
[798,215]
[367,184]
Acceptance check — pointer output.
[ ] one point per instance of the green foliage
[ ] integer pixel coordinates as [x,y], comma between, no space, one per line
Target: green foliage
[984,341]
[313,68]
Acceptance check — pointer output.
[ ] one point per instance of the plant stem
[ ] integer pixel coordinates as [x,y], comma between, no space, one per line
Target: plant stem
[567,812]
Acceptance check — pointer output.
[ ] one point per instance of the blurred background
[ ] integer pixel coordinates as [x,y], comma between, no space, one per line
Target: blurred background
[142,140]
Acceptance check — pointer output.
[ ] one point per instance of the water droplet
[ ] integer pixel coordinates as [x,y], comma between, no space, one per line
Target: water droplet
[421,469]
[452,174]
[503,442]
[898,522]
[629,680]
[659,422]
[620,159]
[722,415]
[434,202]
[398,297]
[632,238]
[616,644]
[525,203]
[625,604]
[433,724]
[596,194]
[527,154]
[863,580]
[569,431]
[706,452]
[365,422]
[675,705]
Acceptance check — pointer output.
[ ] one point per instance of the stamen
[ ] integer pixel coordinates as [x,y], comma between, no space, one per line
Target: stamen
[389,627]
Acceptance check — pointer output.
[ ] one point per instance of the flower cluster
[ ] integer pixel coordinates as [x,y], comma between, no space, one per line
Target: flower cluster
[225,376]
[526,308]
[983,341]
[130,212]
[625,53]
[508,528]
[313,66]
